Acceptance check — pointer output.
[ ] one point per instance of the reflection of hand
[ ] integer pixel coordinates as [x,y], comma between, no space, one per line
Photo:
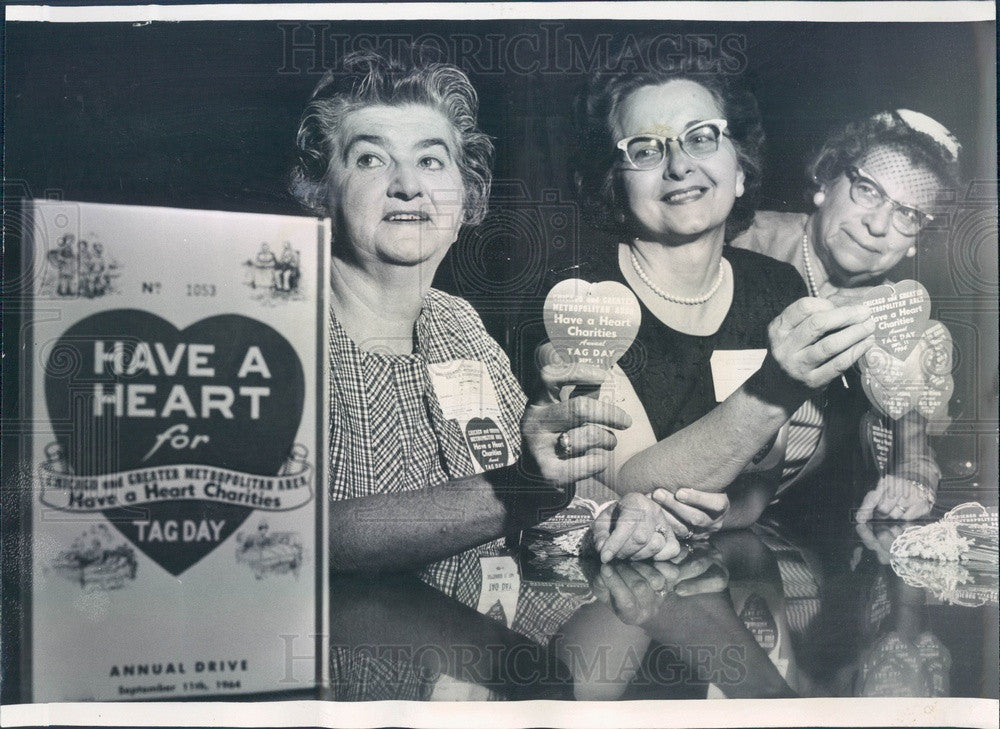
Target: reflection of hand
[896,498]
[634,528]
[569,441]
[880,540]
[693,514]
[636,590]
[813,341]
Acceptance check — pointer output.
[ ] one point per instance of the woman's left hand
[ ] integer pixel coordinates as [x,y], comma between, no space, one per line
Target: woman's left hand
[693,514]
[896,498]
[635,528]
[569,440]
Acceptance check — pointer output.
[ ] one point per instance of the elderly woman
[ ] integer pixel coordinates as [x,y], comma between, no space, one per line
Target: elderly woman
[427,421]
[671,162]
[876,180]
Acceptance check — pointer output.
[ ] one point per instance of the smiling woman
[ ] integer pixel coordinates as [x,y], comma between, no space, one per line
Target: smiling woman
[728,346]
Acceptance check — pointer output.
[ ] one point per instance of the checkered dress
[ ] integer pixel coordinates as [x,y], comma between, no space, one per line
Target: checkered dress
[387,430]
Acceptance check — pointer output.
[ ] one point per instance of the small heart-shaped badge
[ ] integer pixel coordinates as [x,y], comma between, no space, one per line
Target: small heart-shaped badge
[591,323]
[892,401]
[933,401]
[975,518]
[936,354]
[487,443]
[760,621]
[876,437]
[900,312]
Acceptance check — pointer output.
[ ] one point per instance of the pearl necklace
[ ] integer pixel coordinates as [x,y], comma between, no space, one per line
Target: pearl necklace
[813,288]
[685,300]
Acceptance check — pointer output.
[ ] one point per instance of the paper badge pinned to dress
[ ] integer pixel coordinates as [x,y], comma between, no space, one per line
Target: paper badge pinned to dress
[467,395]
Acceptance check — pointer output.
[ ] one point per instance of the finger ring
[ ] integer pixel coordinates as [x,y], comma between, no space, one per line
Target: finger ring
[562,446]
[661,530]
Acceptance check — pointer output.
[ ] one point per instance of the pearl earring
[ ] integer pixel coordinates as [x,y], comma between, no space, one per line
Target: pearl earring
[818,198]
[911,251]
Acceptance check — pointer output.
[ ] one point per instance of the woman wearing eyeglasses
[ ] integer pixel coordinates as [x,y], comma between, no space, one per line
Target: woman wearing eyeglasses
[669,164]
[877,180]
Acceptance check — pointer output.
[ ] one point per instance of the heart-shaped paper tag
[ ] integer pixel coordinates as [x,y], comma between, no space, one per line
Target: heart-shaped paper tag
[933,401]
[893,372]
[487,443]
[877,438]
[220,401]
[922,380]
[892,401]
[974,518]
[900,312]
[937,354]
[760,621]
[591,323]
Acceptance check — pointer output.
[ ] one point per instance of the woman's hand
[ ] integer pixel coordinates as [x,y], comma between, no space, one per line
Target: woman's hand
[637,590]
[896,498]
[569,441]
[693,514]
[879,540]
[635,528]
[812,342]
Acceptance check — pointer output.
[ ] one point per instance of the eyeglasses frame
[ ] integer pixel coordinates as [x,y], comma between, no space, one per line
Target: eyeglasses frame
[854,173]
[622,144]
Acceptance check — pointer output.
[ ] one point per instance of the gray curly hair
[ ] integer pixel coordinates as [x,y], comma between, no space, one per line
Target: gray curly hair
[369,79]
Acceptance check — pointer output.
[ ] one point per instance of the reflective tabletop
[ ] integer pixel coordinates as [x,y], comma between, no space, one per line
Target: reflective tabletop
[758,613]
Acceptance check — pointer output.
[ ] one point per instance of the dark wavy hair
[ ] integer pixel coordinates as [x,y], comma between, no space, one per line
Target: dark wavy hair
[369,79]
[849,145]
[594,177]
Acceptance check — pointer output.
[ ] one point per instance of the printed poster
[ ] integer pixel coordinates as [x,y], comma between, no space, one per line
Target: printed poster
[177,388]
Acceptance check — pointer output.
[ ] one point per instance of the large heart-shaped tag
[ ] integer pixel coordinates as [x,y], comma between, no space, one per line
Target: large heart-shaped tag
[591,323]
[225,393]
[900,312]
[487,443]
[893,372]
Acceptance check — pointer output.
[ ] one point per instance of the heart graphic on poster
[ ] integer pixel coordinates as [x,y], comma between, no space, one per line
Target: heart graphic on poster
[230,379]
[487,443]
[591,323]
[900,312]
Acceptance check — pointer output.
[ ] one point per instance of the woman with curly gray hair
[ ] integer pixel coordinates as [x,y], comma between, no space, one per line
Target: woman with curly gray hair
[427,423]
